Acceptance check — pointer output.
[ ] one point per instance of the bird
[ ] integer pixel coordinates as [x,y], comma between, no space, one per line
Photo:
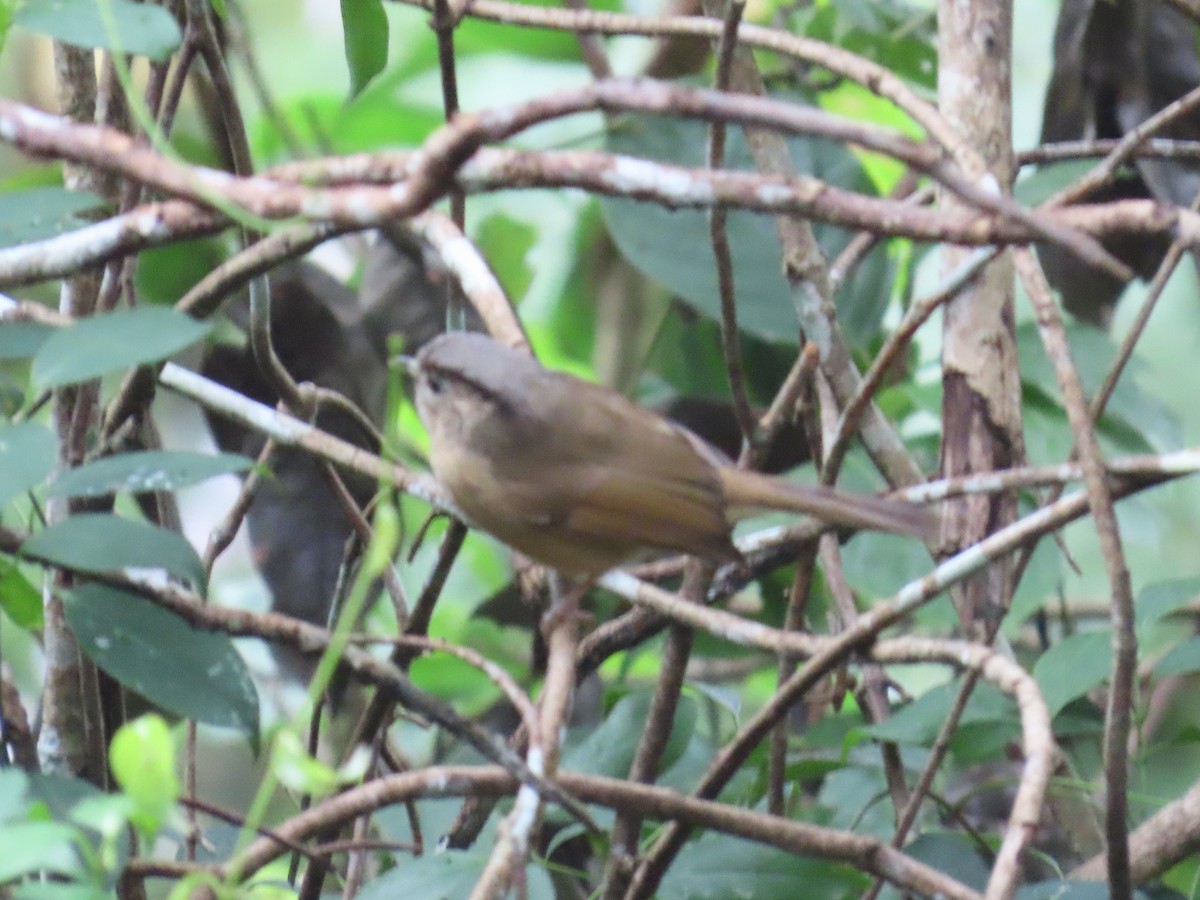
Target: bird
[580,478]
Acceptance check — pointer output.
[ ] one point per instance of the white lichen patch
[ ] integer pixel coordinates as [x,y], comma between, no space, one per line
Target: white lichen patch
[628,175]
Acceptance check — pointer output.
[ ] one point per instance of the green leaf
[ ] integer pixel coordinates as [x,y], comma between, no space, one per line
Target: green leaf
[142,759]
[105,343]
[141,29]
[954,854]
[98,542]
[609,749]
[373,120]
[191,673]
[1068,890]
[298,770]
[1157,600]
[506,243]
[675,249]
[19,599]
[147,470]
[718,866]
[164,274]
[13,786]
[60,798]
[445,876]
[1048,179]
[6,16]
[60,890]
[109,815]
[1134,420]
[1181,660]
[48,847]
[365,33]
[27,454]
[895,34]
[919,722]
[20,340]
[1043,574]
[1073,667]
[36,213]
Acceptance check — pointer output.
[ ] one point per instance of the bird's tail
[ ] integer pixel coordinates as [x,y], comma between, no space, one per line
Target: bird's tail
[755,490]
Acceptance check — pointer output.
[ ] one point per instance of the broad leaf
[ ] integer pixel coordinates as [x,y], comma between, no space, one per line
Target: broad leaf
[61,797]
[141,28]
[365,33]
[674,247]
[148,470]
[609,749]
[720,866]
[62,890]
[1157,600]
[19,599]
[21,340]
[191,673]
[897,35]
[1073,667]
[40,847]
[1043,182]
[37,213]
[1134,420]
[27,452]
[954,854]
[1182,660]
[919,722]
[142,759]
[1068,890]
[97,542]
[450,874]
[13,785]
[105,343]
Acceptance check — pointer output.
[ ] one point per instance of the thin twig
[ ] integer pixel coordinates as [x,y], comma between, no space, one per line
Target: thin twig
[1125,148]
[897,342]
[647,800]
[730,337]
[660,719]
[444,23]
[1119,708]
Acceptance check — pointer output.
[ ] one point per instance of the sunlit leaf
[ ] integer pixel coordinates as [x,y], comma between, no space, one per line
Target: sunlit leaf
[365,33]
[19,599]
[142,759]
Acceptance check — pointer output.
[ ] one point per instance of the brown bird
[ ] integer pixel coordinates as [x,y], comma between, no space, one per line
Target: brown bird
[579,478]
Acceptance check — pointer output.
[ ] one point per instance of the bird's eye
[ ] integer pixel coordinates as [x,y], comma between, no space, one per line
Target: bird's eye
[435,383]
